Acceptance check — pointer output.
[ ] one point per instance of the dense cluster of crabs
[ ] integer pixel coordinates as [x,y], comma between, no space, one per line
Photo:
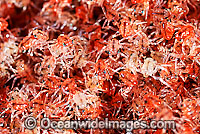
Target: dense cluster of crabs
[88,59]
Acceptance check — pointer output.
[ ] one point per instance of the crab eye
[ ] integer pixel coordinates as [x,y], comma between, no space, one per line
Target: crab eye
[104,71]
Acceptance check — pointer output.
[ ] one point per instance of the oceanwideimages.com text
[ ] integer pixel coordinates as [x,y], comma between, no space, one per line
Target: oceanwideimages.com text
[46,123]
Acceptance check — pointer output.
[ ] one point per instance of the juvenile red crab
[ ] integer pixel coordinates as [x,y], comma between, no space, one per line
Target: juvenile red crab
[167,30]
[127,27]
[34,39]
[128,78]
[3,24]
[102,70]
